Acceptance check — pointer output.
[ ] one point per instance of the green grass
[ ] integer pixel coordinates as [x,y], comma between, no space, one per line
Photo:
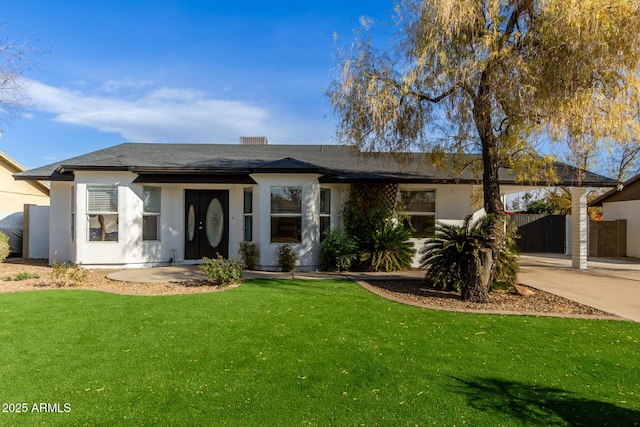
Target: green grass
[295,352]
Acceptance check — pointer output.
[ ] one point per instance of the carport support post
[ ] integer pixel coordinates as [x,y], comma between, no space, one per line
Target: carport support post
[579,223]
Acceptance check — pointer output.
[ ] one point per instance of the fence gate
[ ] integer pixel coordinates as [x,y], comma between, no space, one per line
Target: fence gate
[541,233]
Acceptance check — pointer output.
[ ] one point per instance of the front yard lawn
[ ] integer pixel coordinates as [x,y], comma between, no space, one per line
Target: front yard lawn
[291,352]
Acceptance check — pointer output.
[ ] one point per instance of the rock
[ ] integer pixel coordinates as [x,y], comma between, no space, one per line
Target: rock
[521,290]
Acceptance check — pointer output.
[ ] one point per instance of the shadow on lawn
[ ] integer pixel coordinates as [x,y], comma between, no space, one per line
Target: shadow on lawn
[543,405]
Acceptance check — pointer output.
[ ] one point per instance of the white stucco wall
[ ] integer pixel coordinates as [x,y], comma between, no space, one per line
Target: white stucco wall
[307,250]
[60,245]
[36,237]
[453,203]
[130,250]
[629,210]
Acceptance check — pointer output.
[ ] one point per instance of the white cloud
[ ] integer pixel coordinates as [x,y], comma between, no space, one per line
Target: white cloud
[126,83]
[160,114]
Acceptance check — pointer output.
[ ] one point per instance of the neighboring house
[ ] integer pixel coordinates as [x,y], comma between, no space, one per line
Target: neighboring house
[149,204]
[15,194]
[623,202]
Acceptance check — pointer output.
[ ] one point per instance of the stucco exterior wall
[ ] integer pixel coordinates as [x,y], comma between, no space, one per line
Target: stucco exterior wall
[15,194]
[453,203]
[130,250]
[60,245]
[307,249]
[35,238]
[629,210]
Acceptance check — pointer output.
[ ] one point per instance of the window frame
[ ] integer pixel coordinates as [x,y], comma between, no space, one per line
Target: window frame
[296,216]
[408,214]
[324,214]
[149,213]
[111,212]
[73,214]
[247,214]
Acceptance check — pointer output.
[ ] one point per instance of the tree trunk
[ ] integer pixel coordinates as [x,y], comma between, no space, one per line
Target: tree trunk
[484,265]
[477,287]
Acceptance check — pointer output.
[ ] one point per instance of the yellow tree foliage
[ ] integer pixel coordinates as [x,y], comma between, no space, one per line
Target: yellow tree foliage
[493,77]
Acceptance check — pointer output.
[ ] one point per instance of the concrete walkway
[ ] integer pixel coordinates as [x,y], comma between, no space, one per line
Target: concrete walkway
[608,285]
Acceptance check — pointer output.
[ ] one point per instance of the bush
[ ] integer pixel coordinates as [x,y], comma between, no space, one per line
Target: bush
[338,251]
[67,275]
[387,248]
[249,253]
[448,257]
[21,276]
[4,246]
[287,259]
[507,268]
[221,271]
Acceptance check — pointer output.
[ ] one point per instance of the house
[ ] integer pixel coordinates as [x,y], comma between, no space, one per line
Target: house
[138,204]
[14,195]
[623,202]
[17,199]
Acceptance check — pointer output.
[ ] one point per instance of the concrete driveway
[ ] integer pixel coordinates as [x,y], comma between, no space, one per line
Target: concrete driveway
[609,285]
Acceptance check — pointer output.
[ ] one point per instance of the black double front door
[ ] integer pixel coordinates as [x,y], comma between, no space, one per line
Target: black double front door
[206,223]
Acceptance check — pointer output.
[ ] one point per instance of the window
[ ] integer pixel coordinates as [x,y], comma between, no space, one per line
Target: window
[325,211]
[151,213]
[420,209]
[73,214]
[286,214]
[248,215]
[102,212]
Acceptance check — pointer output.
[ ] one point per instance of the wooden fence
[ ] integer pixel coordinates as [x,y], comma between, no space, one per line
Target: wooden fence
[541,233]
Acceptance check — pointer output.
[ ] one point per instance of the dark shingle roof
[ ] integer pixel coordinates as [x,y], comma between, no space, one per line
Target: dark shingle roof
[335,163]
[629,190]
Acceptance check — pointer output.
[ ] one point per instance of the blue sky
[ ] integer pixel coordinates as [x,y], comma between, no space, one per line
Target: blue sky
[176,71]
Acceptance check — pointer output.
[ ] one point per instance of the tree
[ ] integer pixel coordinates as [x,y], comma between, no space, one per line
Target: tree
[493,77]
[14,93]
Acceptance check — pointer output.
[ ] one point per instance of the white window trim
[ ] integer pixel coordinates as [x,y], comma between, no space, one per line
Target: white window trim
[421,213]
[158,215]
[285,215]
[90,212]
[246,215]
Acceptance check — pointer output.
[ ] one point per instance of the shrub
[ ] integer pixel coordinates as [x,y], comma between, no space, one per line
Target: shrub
[287,258]
[221,271]
[67,275]
[448,257]
[366,208]
[507,268]
[22,276]
[4,246]
[387,248]
[338,251]
[249,253]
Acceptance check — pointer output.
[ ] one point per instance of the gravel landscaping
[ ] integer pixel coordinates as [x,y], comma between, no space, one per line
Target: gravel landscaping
[96,279]
[508,302]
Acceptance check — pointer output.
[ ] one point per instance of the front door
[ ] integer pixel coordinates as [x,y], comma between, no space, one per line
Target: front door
[206,223]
